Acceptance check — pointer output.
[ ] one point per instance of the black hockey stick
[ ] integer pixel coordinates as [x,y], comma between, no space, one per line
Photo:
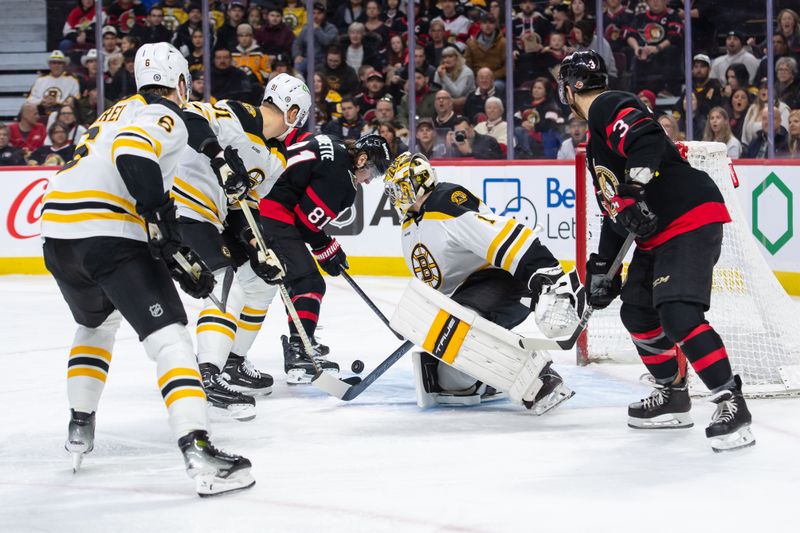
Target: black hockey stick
[545,344]
[347,389]
[369,302]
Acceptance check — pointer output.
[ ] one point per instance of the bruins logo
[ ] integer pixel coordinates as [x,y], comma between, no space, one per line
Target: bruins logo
[226,252]
[250,109]
[256,177]
[425,267]
[607,187]
[458,197]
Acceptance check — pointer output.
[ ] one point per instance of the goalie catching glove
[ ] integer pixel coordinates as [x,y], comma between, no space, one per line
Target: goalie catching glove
[558,300]
[265,264]
[185,266]
[331,257]
[602,288]
[632,211]
[231,174]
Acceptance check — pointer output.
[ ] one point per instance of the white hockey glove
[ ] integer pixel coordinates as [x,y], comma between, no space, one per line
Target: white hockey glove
[641,175]
[561,301]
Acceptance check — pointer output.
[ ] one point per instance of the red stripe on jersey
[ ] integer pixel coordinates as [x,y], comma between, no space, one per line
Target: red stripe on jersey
[275,211]
[610,128]
[304,219]
[709,359]
[648,334]
[318,201]
[702,215]
[657,359]
[702,328]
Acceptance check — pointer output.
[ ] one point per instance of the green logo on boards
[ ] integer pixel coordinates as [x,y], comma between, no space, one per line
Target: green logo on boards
[773,246]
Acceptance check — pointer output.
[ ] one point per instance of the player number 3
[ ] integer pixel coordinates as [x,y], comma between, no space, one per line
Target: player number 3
[621,127]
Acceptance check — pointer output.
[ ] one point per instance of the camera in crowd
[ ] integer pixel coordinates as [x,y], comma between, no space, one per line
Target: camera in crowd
[461,136]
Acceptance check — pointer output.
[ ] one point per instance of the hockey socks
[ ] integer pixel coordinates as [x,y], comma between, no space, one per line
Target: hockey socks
[89,361]
[307,305]
[658,354]
[706,352]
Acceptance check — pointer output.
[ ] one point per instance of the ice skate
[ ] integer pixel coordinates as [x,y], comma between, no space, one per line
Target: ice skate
[242,376]
[220,395]
[667,407]
[214,471]
[80,437]
[730,425]
[552,393]
[298,367]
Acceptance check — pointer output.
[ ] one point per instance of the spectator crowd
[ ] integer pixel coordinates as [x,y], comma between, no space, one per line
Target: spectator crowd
[361,70]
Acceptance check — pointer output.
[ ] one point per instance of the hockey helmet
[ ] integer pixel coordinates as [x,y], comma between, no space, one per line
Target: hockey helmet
[378,155]
[408,178]
[582,71]
[161,64]
[285,91]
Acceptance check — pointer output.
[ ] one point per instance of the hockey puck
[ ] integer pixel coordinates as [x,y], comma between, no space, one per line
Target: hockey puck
[357,367]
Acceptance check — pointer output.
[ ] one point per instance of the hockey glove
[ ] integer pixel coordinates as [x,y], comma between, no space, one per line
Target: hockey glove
[331,257]
[267,265]
[184,265]
[602,288]
[558,300]
[632,211]
[231,173]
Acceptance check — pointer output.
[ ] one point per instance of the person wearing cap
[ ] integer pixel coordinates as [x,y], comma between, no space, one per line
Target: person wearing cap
[89,73]
[110,44]
[275,37]
[79,27]
[374,91]
[325,34]
[488,50]
[428,143]
[154,30]
[734,53]
[656,37]
[57,85]
[707,89]
[249,57]
[226,35]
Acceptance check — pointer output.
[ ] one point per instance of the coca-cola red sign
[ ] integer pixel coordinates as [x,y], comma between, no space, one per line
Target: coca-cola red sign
[25,211]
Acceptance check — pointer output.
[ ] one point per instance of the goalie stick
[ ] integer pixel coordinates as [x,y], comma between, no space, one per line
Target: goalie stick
[553,344]
[349,388]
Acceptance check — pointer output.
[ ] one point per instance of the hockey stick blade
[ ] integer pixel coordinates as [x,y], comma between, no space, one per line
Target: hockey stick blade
[346,392]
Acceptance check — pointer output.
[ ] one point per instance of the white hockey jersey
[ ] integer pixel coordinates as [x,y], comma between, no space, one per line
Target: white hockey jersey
[87,198]
[196,191]
[456,235]
[61,88]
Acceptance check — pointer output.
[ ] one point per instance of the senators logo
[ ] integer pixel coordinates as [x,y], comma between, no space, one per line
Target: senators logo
[425,267]
[458,197]
[653,33]
[607,184]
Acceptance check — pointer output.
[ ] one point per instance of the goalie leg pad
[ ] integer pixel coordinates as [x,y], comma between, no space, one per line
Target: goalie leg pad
[437,383]
[469,343]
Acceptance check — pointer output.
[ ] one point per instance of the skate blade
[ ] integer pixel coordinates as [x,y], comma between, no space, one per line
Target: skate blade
[208,485]
[452,399]
[77,459]
[241,413]
[298,376]
[666,421]
[266,391]
[559,395]
[743,438]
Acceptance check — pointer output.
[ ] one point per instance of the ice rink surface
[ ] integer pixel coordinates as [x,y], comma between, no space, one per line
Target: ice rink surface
[378,463]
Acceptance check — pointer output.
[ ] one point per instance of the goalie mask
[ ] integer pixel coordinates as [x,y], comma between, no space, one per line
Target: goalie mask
[408,178]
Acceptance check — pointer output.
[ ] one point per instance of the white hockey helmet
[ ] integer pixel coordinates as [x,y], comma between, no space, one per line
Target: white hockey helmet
[163,65]
[408,178]
[286,91]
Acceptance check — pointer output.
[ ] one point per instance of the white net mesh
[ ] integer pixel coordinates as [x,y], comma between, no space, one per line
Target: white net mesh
[749,308]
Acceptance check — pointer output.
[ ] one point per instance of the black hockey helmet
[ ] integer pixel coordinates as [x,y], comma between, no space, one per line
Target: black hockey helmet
[582,71]
[377,150]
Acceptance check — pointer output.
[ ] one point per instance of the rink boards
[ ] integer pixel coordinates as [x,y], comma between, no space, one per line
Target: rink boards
[538,193]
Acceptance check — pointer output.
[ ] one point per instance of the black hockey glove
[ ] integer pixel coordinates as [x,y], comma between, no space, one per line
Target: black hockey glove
[632,211]
[184,265]
[231,173]
[267,266]
[331,257]
[602,288]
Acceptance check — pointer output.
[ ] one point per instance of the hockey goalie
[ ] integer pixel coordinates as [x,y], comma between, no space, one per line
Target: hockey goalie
[473,269]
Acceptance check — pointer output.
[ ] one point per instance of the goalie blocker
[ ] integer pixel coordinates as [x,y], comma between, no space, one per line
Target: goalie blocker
[472,345]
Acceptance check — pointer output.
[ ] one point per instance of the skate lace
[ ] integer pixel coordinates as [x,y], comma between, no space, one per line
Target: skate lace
[221,383]
[657,398]
[250,369]
[726,411]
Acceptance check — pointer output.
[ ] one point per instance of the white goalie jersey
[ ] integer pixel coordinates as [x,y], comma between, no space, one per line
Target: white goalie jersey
[87,197]
[196,191]
[456,235]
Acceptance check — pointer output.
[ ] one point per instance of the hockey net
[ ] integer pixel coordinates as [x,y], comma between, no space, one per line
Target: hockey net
[752,312]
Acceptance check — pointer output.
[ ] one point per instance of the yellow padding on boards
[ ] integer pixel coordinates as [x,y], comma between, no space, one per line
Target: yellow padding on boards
[184,393]
[178,372]
[359,266]
[86,373]
[90,350]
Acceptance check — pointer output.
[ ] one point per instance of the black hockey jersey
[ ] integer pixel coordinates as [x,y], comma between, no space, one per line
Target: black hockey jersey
[623,134]
[316,186]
